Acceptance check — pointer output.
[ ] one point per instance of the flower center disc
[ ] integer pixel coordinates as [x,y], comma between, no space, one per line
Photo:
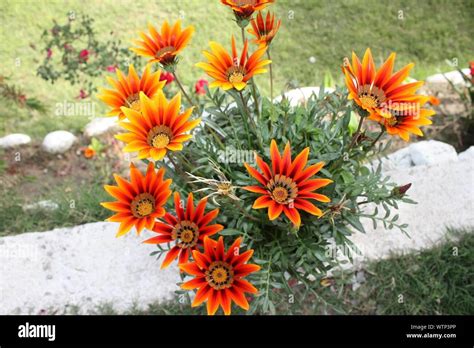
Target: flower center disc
[143,205]
[235,74]
[370,96]
[159,137]
[280,194]
[165,55]
[282,189]
[220,275]
[133,102]
[160,141]
[236,77]
[186,233]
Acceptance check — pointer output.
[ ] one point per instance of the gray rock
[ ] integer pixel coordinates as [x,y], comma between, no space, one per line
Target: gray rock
[101,125]
[41,205]
[431,152]
[87,266]
[425,152]
[454,76]
[13,140]
[58,141]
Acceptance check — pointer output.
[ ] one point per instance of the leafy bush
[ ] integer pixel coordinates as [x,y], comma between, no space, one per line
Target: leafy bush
[292,243]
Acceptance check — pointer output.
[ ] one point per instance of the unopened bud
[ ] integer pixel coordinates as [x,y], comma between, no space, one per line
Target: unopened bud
[400,191]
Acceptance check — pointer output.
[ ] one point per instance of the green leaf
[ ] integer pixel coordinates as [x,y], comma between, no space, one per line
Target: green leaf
[230,232]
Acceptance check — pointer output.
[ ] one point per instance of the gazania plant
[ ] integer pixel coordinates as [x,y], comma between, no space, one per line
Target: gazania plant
[247,198]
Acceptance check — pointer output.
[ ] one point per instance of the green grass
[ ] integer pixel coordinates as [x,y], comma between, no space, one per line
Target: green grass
[77,205]
[430,33]
[439,281]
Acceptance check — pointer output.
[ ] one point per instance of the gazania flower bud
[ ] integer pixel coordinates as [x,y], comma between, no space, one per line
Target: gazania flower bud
[400,191]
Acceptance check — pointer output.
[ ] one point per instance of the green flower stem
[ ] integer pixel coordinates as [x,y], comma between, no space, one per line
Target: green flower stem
[249,117]
[351,145]
[184,91]
[382,132]
[271,74]
[245,121]
[254,91]
[356,134]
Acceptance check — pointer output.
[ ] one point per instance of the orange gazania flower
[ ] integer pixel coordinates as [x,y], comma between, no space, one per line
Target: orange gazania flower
[385,97]
[264,31]
[244,9]
[287,186]
[187,229]
[127,89]
[165,46]
[139,201]
[159,128]
[230,71]
[89,152]
[218,275]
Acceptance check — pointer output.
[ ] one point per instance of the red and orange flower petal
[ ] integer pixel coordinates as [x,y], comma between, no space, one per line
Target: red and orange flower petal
[229,70]
[264,31]
[126,90]
[159,128]
[138,203]
[218,275]
[384,95]
[245,9]
[288,186]
[186,230]
[163,47]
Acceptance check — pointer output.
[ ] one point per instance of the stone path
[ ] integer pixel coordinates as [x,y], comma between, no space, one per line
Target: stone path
[83,265]
[87,266]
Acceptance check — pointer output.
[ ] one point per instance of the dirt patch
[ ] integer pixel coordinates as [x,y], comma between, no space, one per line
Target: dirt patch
[30,171]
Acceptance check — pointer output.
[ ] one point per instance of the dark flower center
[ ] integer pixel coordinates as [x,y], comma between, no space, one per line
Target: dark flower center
[282,189]
[143,205]
[186,234]
[220,275]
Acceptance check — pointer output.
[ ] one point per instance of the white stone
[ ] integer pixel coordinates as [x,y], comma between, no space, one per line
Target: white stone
[454,76]
[13,140]
[58,141]
[467,155]
[421,153]
[42,205]
[301,95]
[82,266]
[431,152]
[445,196]
[101,125]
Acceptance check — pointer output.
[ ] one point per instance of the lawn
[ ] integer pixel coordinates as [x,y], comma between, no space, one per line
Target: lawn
[428,33]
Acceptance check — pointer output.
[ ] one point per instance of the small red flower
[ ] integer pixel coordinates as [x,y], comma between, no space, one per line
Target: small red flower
[22,99]
[84,55]
[111,68]
[167,76]
[200,85]
[82,94]
[49,53]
